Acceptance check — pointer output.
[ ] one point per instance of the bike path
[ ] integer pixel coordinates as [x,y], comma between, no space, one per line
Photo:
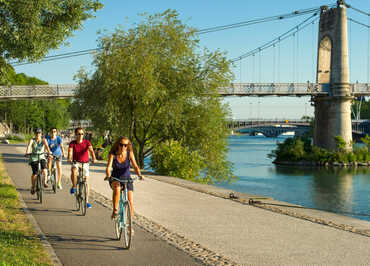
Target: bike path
[85,240]
[244,233]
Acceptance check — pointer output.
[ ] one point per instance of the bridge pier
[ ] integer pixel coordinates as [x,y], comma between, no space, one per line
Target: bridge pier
[333,112]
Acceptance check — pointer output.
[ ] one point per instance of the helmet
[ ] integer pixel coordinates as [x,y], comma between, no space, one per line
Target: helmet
[37,130]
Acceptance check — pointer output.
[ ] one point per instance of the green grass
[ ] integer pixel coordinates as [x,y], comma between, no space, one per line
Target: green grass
[19,244]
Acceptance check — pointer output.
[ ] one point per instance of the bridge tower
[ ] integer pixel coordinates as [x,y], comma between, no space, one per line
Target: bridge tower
[333,112]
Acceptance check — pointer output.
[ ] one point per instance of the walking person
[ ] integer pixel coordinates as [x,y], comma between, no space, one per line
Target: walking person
[78,153]
[121,156]
[55,143]
[37,145]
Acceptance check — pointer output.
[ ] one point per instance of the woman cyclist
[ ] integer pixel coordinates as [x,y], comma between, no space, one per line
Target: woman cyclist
[121,156]
[36,146]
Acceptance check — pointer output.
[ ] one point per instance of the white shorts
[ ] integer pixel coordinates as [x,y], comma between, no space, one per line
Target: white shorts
[79,165]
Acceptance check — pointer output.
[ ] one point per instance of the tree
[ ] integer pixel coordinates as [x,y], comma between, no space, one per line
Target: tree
[25,115]
[154,84]
[30,28]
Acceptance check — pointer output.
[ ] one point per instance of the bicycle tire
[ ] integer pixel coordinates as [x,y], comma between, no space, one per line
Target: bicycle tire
[53,179]
[117,227]
[39,190]
[83,197]
[78,198]
[127,226]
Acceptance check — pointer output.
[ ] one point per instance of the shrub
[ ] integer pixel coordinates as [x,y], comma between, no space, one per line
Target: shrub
[173,159]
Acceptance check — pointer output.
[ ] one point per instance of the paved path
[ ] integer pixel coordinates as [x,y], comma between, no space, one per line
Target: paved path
[243,233]
[85,240]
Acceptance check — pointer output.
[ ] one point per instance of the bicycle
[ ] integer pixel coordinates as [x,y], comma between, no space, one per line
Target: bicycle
[81,191]
[123,221]
[53,174]
[39,186]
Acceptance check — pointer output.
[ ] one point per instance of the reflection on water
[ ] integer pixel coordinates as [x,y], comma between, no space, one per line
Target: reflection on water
[342,190]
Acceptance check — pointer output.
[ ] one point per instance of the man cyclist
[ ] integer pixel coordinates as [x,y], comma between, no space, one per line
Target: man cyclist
[55,143]
[78,152]
[37,145]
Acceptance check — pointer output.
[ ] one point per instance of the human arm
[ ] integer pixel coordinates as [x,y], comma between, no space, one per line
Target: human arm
[135,166]
[62,148]
[70,152]
[46,145]
[92,153]
[28,149]
[109,167]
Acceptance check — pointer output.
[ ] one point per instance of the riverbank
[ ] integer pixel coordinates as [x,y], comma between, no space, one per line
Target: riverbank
[321,164]
[19,243]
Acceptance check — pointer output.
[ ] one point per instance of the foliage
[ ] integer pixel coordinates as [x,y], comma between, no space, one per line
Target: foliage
[341,143]
[365,108]
[154,84]
[291,150]
[173,159]
[25,115]
[29,29]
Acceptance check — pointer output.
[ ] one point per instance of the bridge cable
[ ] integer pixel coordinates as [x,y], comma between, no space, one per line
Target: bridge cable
[297,57]
[358,10]
[359,23]
[262,20]
[280,38]
[202,31]
[313,53]
[293,58]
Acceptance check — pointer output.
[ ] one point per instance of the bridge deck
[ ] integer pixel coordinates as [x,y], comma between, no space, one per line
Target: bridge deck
[235,89]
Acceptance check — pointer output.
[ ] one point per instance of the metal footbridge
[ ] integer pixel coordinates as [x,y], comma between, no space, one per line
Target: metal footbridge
[235,89]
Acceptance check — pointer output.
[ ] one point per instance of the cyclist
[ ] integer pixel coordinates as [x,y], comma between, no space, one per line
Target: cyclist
[35,146]
[56,146]
[121,155]
[78,152]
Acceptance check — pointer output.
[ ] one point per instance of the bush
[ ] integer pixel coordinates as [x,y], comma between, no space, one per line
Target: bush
[173,159]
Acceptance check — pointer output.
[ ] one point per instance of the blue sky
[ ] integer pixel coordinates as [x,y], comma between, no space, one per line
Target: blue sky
[206,13]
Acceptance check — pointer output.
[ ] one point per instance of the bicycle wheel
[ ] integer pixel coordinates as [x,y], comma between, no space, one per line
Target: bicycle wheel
[39,188]
[53,179]
[127,225]
[78,198]
[83,198]
[118,227]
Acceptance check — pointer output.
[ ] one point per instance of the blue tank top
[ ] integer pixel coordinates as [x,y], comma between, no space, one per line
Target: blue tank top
[54,145]
[121,169]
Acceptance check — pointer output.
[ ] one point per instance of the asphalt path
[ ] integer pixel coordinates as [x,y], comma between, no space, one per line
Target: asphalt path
[85,240]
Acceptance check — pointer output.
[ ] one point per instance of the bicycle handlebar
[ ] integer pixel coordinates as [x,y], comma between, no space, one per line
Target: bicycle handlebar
[30,154]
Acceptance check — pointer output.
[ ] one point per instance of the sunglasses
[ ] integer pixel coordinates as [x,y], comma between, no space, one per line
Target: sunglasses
[123,145]
[80,134]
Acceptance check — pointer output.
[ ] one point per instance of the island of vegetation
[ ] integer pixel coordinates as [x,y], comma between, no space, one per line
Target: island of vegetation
[300,151]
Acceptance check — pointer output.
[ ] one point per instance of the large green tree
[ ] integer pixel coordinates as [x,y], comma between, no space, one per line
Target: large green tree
[30,28]
[155,84]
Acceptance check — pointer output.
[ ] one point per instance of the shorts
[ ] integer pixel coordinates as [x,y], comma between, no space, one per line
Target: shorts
[35,166]
[79,165]
[130,185]
[58,158]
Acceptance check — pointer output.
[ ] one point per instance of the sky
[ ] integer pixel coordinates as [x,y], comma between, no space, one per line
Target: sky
[297,61]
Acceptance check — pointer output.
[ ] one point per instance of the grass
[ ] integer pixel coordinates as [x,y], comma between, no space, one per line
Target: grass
[19,244]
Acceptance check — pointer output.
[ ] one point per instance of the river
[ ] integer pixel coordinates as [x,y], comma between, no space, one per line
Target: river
[344,191]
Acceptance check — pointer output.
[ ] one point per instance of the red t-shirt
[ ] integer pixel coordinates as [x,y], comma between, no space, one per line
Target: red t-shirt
[80,150]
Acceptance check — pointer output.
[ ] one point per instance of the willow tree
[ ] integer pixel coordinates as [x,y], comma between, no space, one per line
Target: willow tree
[30,28]
[155,84]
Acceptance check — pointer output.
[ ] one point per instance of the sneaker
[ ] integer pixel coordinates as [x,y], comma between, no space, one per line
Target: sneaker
[59,186]
[73,190]
[88,205]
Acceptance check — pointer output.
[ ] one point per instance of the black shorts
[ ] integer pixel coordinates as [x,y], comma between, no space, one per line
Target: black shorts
[35,166]
[130,185]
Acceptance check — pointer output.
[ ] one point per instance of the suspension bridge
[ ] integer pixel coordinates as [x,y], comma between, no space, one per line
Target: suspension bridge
[331,94]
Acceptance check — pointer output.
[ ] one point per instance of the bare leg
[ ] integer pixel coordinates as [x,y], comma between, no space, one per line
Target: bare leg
[116,190]
[87,189]
[33,180]
[59,170]
[45,173]
[74,177]
[131,200]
